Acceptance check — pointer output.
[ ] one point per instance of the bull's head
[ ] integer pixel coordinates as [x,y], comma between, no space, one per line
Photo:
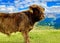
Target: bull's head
[38,12]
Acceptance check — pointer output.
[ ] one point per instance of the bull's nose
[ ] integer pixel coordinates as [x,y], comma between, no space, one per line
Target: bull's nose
[42,17]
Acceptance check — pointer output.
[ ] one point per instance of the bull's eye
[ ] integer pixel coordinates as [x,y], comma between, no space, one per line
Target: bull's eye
[40,11]
[43,8]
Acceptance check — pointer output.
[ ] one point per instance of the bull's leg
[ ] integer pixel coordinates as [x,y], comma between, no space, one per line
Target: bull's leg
[26,37]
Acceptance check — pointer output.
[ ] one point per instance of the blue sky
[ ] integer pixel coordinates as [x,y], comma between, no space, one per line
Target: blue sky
[52,7]
[53,3]
[21,4]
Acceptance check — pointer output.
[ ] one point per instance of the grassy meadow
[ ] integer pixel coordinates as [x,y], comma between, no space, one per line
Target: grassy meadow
[37,35]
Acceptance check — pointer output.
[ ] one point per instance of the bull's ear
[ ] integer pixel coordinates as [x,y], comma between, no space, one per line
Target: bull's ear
[31,10]
[43,9]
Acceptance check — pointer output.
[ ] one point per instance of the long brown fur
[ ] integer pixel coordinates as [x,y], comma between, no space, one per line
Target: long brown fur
[21,21]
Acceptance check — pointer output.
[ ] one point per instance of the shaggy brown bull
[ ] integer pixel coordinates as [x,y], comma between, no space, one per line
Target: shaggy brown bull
[21,21]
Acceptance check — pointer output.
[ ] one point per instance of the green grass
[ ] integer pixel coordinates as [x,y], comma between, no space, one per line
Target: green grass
[45,36]
[36,36]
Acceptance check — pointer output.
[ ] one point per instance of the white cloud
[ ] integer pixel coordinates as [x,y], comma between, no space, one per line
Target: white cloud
[49,0]
[2,8]
[51,16]
[11,9]
[55,9]
[26,3]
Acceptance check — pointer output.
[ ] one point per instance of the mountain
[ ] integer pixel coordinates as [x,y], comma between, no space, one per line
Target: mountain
[57,23]
[50,22]
[47,21]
